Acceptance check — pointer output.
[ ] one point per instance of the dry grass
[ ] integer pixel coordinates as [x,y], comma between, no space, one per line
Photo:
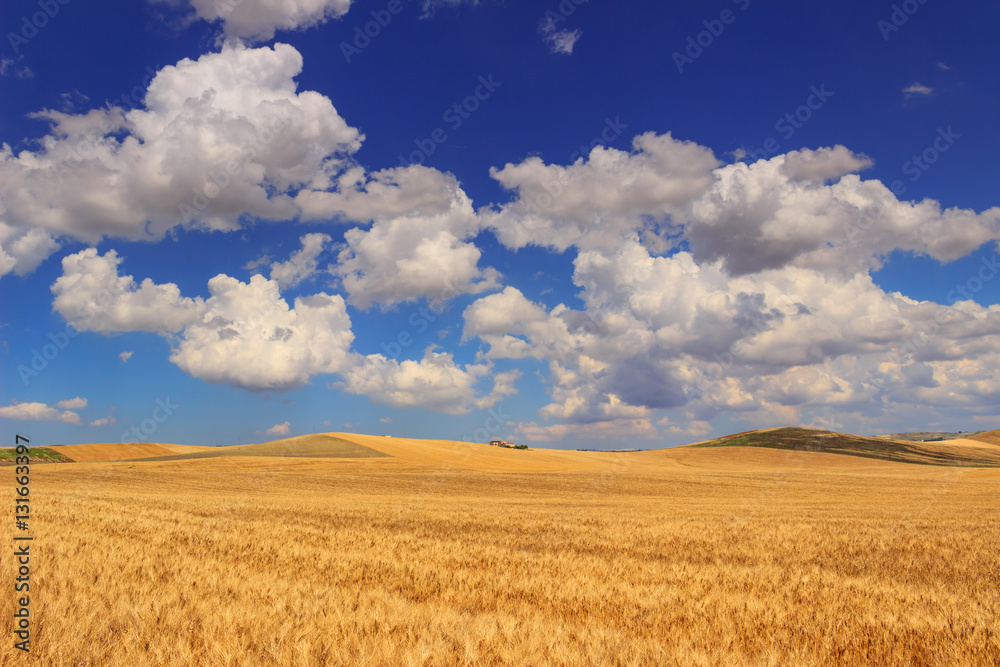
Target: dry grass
[988,437]
[119,451]
[703,557]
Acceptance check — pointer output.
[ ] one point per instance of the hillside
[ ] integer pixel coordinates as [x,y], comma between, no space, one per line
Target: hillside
[120,451]
[944,453]
[8,455]
[988,437]
[305,446]
[478,456]
[812,447]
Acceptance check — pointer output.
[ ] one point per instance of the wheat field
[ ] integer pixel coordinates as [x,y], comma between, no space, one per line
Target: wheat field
[699,557]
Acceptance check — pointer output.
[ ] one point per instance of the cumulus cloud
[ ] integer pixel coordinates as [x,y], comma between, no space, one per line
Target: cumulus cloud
[766,216]
[72,403]
[103,421]
[217,138]
[284,428]
[249,337]
[260,19]
[418,244]
[91,296]
[594,201]
[435,382]
[38,412]
[125,356]
[917,88]
[243,334]
[703,288]
[303,264]
[669,333]
[822,164]
[22,250]
[226,137]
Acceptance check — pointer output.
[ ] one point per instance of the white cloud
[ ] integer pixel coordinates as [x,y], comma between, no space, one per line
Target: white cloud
[303,264]
[14,68]
[503,385]
[917,88]
[284,428]
[665,333]
[22,250]
[765,216]
[125,356]
[103,421]
[72,403]
[260,19]
[249,337]
[418,245]
[218,138]
[225,137]
[594,202]
[38,412]
[558,41]
[93,297]
[609,430]
[433,383]
[822,164]
[243,334]
[562,41]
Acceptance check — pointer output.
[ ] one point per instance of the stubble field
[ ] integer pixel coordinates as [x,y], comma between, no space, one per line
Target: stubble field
[720,556]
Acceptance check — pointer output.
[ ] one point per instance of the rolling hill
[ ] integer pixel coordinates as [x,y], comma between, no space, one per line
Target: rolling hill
[117,451]
[987,437]
[320,446]
[810,446]
[943,453]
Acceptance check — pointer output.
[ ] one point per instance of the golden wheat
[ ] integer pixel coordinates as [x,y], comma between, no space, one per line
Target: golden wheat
[247,562]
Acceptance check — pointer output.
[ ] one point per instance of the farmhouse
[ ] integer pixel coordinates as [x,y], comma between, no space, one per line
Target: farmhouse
[502,443]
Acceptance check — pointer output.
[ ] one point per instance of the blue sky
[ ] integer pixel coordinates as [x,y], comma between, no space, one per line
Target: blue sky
[574,223]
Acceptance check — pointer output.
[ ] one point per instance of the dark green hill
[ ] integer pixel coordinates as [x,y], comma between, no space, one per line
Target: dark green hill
[829,442]
[8,456]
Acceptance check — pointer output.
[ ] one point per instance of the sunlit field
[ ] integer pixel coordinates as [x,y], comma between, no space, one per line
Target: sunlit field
[714,556]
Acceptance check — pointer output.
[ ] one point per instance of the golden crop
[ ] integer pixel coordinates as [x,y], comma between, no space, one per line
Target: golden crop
[713,557]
